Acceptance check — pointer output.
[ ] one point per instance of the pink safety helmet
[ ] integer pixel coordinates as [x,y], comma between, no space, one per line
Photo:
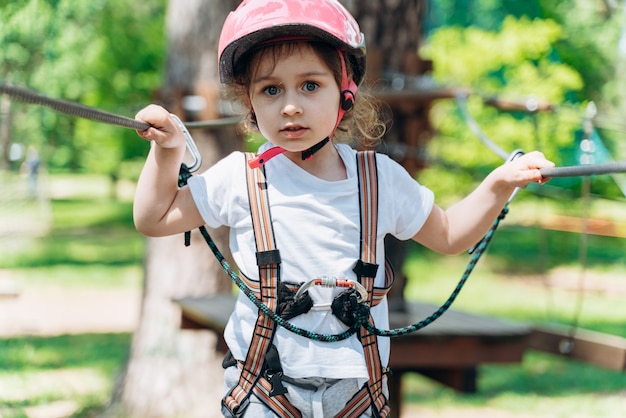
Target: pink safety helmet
[256,21]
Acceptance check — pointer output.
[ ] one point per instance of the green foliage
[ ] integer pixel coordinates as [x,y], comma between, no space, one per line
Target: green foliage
[483,14]
[593,48]
[516,57]
[591,44]
[563,53]
[515,62]
[104,54]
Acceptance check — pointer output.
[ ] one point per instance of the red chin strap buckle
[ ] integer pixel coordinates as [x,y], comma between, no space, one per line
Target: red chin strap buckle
[261,159]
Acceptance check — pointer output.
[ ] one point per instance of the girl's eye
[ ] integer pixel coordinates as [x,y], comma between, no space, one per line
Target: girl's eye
[310,86]
[271,90]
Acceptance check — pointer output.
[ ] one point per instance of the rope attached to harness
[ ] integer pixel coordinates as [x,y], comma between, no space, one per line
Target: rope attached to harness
[361,316]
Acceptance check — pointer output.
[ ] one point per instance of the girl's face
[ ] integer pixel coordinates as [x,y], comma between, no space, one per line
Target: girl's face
[295,98]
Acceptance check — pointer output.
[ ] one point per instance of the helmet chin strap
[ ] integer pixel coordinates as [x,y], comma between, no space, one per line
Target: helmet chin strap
[348,91]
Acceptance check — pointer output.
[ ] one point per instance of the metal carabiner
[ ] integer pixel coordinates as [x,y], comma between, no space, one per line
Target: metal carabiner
[333,282]
[191,145]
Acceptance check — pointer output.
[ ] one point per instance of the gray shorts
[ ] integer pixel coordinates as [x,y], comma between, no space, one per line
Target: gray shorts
[315,397]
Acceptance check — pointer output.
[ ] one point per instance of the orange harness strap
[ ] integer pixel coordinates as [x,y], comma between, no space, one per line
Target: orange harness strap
[268,261]
[372,394]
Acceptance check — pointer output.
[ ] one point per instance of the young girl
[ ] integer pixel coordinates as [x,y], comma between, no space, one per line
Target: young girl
[295,65]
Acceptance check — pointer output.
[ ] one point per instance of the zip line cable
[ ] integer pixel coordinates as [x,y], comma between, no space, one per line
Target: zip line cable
[565,171]
[82,111]
[71,108]
[461,100]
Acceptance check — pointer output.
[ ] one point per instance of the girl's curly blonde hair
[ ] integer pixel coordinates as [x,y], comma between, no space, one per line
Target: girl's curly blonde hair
[362,125]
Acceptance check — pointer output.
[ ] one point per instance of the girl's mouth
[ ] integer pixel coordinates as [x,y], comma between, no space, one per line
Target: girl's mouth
[293,131]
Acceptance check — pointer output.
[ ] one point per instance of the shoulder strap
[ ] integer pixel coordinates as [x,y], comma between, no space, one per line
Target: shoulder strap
[366,268]
[268,262]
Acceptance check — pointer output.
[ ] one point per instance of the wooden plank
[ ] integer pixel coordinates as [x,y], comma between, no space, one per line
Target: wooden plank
[604,350]
[455,351]
[209,312]
[459,379]
[456,339]
[580,225]
[213,312]
[449,350]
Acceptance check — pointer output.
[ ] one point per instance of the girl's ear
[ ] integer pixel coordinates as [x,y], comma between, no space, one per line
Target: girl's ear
[252,117]
[347,96]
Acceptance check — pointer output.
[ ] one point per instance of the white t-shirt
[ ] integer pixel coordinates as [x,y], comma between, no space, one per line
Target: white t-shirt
[317,231]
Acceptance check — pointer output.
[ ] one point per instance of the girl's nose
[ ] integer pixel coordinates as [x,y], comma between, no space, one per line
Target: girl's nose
[291,105]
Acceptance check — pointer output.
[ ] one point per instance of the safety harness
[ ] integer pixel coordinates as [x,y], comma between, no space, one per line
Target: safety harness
[261,373]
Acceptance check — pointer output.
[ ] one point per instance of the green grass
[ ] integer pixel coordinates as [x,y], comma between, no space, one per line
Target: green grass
[83,239]
[507,283]
[41,370]
[542,385]
[87,240]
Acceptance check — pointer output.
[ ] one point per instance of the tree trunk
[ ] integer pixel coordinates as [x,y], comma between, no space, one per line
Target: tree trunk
[172,372]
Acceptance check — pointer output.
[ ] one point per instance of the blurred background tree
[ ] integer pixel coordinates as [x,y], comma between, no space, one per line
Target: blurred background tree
[106,54]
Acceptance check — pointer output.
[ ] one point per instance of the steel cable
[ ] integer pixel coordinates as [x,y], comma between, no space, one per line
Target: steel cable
[585,170]
[71,108]
[82,111]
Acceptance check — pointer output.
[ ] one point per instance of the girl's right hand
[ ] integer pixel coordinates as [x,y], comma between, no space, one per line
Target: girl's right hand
[163,131]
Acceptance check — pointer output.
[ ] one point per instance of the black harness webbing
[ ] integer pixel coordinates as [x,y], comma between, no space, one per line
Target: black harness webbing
[252,377]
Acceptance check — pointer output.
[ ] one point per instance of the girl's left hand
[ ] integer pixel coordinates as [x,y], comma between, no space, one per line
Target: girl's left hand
[525,169]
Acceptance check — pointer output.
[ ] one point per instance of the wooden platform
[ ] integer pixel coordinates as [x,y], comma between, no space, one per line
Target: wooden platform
[449,350]
[600,349]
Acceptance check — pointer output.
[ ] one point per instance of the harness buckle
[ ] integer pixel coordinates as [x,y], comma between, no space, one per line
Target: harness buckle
[334,282]
[276,380]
